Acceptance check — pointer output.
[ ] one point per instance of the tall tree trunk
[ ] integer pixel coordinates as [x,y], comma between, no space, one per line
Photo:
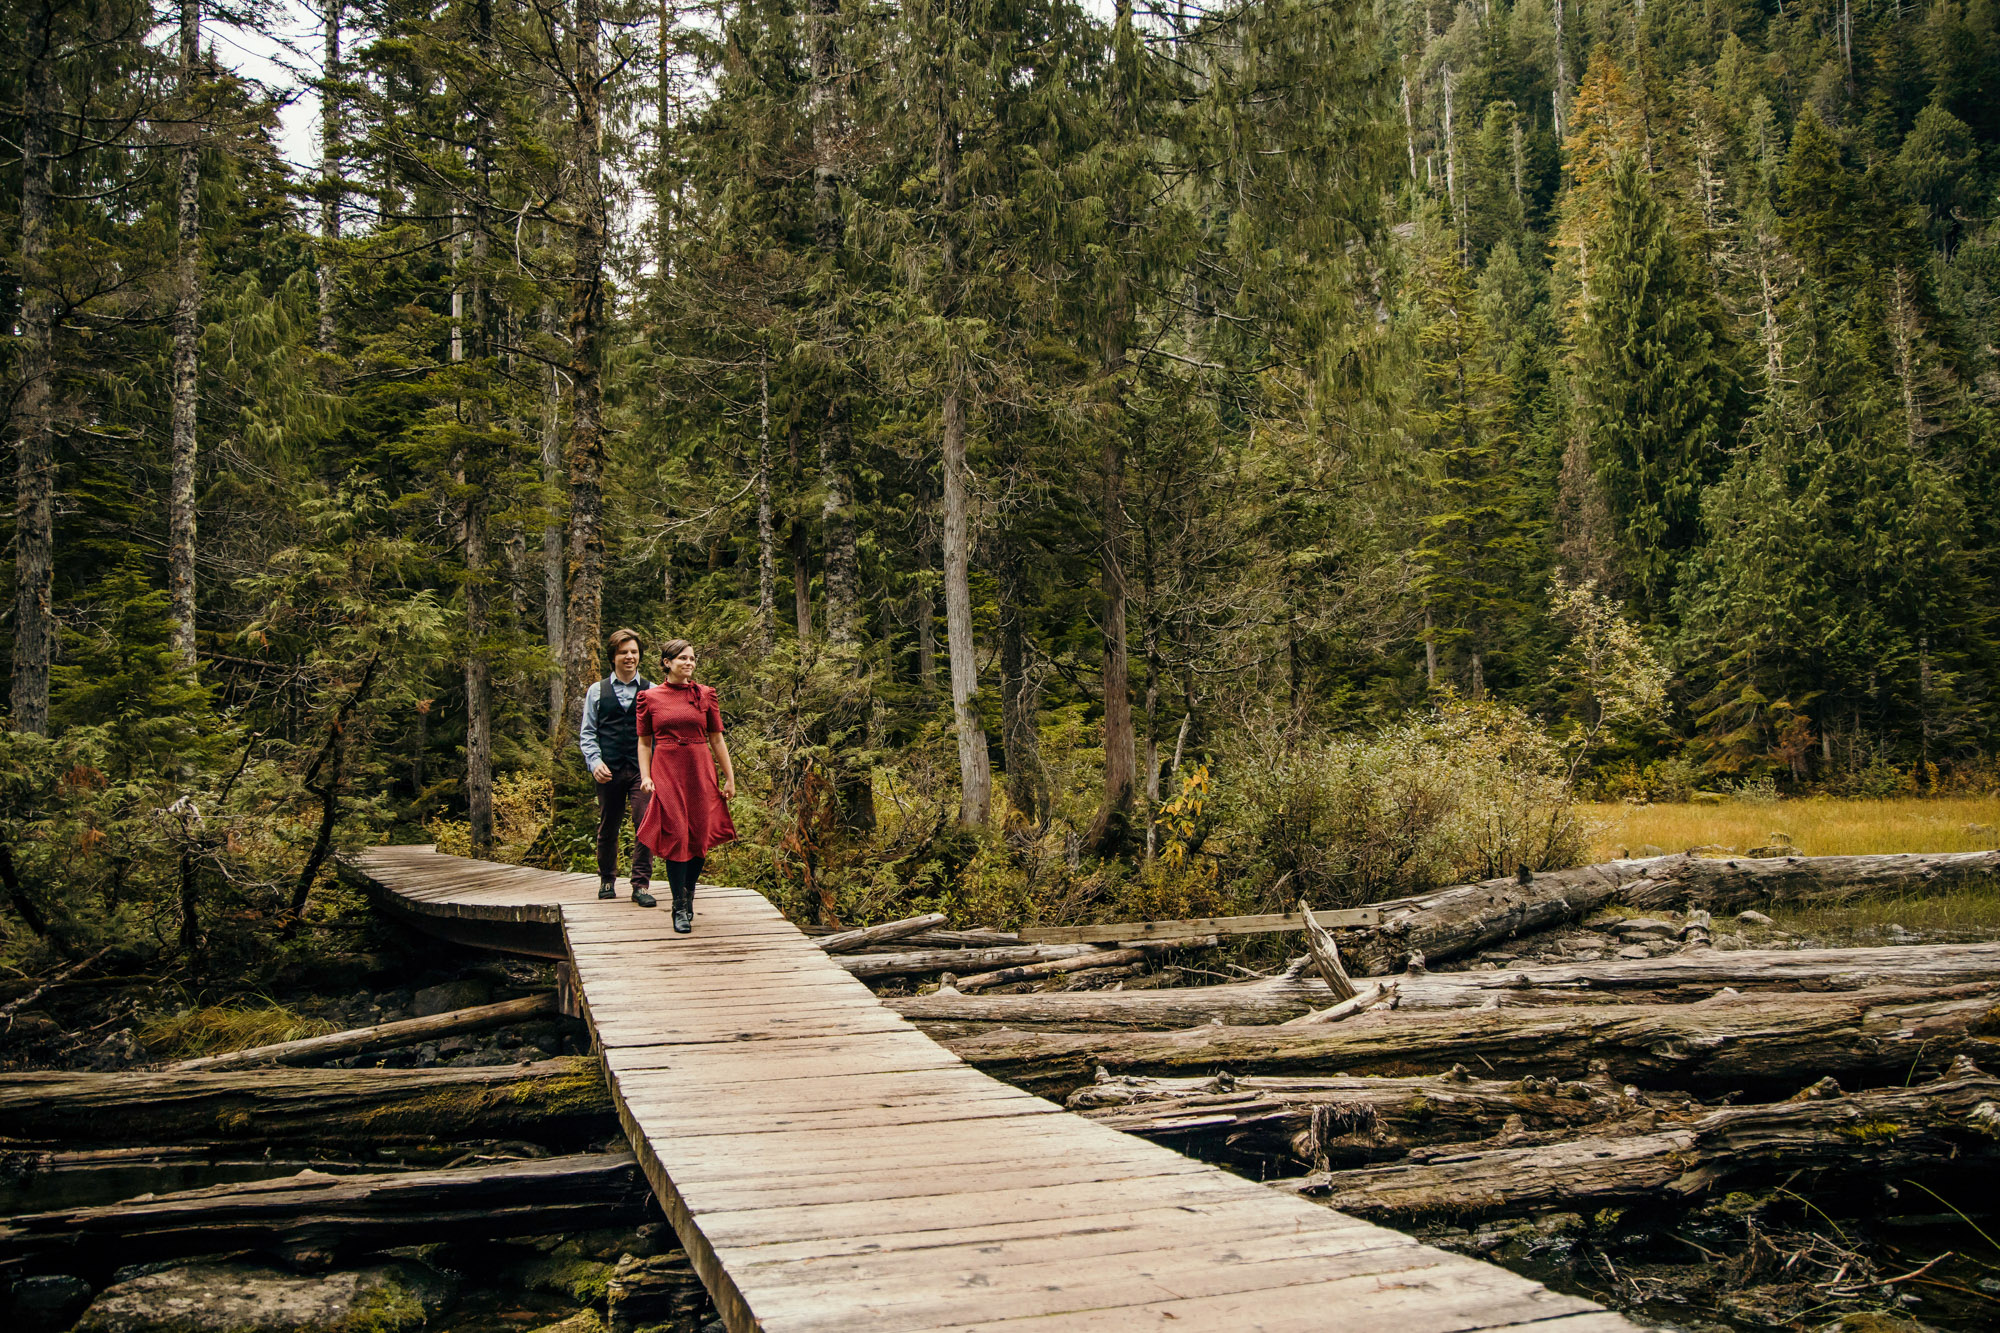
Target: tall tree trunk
[767,555]
[554,582]
[1111,826]
[1561,94]
[330,147]
[186,325]
[926,600]
[974,772]
[34,456]
[841,573]
[975,776]
[802,607]
[1019,741]
[586,334]
[478,670]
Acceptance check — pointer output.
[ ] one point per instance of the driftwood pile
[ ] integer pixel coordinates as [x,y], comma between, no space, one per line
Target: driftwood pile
[1385,1086]
[1409,1093]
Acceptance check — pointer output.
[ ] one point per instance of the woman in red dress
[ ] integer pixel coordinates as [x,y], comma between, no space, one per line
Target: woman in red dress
[681,751]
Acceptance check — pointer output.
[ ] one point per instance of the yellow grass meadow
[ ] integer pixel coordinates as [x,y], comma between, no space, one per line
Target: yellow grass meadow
[1817,826]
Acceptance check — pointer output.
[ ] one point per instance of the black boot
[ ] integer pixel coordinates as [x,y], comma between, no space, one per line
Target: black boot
[643,898]
[683,908]
[607,888]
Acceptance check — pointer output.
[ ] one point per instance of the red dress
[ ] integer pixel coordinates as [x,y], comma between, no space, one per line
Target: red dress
[686,816]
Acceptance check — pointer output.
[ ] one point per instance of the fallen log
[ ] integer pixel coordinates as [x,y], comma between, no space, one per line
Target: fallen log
[875,966]
[381,1037]
[1084,962]
[1464,917]
[39,1179]
[1728,1042]
[1694,974]
[550,1101]
[311,1217]
[1878,1134]
[847,941]
[1278,1125]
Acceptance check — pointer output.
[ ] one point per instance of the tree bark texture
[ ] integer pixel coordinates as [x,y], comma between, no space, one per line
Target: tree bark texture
[1727,1043]
[185,326]
[34,425]
[314,1216]
[554,570]
[872,966]
[550,1101]
[975,775]
[331,148]
[1883,1134]
[1690,975]
[583,620]
[1282,1124]
[1027,791]
[767,540]
[478,583]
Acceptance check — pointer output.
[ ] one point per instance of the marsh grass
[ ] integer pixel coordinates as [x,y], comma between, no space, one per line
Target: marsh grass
[1962,915]
[1817,826]
[224,1027]
[1829,826]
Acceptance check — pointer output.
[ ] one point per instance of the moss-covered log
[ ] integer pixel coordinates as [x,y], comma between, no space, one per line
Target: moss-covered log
[1729,1042]
[1881,1134]
[312,1217]
[551,1101]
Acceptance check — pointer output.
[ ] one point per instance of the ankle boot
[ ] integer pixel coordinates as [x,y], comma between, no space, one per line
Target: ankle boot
[683,909]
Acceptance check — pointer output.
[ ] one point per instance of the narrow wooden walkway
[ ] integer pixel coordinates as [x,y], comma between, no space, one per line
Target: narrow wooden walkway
[827,1166]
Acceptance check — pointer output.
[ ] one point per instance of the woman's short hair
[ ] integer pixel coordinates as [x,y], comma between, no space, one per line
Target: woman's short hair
[673,648]
[618,638]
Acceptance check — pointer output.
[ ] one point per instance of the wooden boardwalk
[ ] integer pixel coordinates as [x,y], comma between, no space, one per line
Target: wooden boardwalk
[827,1166]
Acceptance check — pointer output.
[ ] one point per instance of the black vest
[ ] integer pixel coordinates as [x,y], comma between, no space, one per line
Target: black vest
[618,728]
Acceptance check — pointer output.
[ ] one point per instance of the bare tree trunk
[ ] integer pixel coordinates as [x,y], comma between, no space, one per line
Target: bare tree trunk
[767,556]
[329,175]
[836,518]
[586,331]
[829,231]
[1561,94]
[975,776]
[1111,826]
[926,601]
[186,324]
[34,459]
[802,609]
[1022,745]
[478,585]
[553,568]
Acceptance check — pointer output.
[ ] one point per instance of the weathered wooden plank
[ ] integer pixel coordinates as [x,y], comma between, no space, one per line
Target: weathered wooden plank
[826,1166]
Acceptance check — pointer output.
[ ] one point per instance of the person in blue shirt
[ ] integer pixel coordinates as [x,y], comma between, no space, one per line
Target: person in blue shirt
[609,739]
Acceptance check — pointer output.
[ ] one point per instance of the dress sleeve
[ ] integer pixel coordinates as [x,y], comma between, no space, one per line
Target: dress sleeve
[712,712]
[643,713]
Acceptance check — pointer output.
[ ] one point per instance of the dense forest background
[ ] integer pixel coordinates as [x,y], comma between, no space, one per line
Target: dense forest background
[1135,461]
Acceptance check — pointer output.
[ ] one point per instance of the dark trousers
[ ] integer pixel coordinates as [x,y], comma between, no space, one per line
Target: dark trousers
[613,798]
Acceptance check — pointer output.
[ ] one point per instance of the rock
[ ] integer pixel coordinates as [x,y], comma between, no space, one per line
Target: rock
[1730,943]
[251,1298]
[120,1050]
[1754,919]
[1646,927]
[1772,850]
[1635,951]
[658,1290]
[45,1303]
[1647,849]
[452,995]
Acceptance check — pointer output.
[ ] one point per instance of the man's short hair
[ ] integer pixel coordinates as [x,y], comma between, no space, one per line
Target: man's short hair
[619,637]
